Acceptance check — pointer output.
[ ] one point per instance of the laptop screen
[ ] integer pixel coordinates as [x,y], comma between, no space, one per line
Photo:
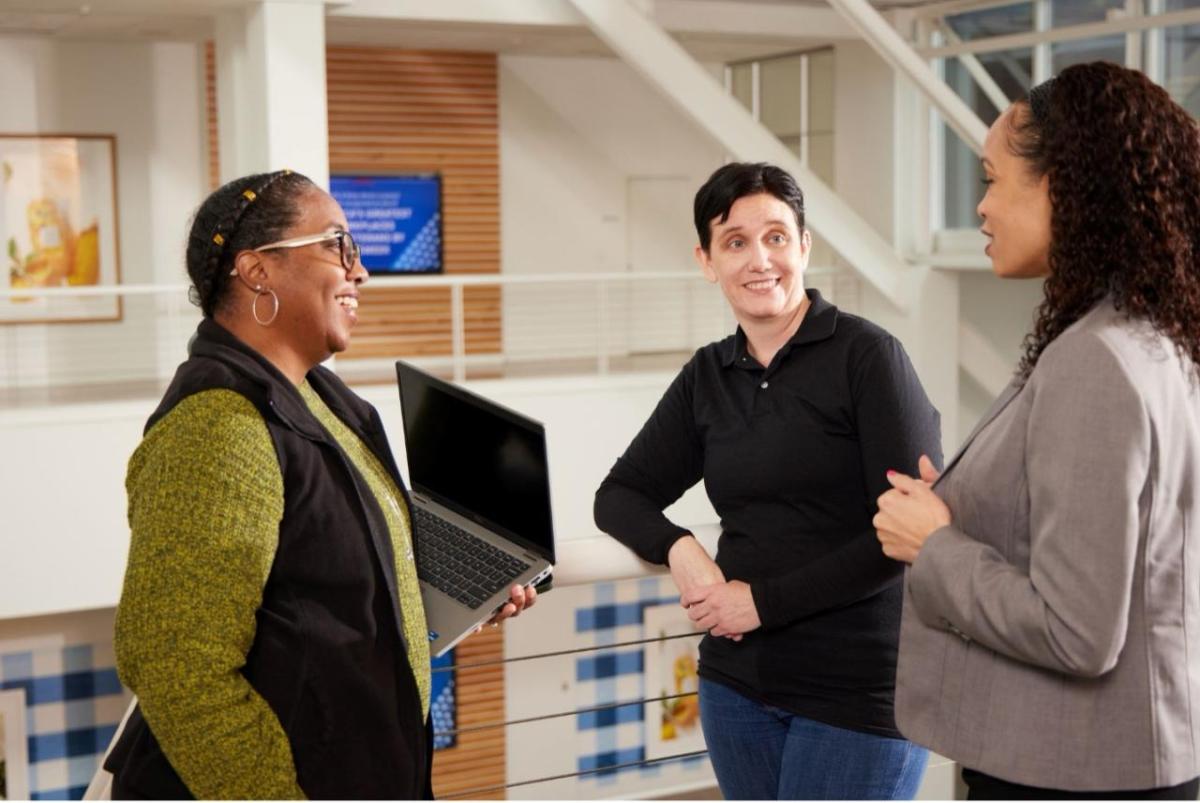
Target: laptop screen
[477,458]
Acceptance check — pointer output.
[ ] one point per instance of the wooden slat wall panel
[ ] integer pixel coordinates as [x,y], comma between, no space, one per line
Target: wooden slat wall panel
[398,111]
[210,103]
[477,760]
[395,111]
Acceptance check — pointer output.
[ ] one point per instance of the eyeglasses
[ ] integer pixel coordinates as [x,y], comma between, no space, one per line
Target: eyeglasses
[346,245]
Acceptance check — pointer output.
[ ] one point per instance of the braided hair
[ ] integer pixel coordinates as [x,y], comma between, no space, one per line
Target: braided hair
[245,213]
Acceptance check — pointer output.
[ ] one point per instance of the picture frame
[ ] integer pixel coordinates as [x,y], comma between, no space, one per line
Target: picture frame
[14,749]
[58,227]
[671,666]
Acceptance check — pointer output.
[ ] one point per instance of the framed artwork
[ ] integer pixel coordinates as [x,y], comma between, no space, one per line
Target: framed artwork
[671,666]
[58,226]
[14,756]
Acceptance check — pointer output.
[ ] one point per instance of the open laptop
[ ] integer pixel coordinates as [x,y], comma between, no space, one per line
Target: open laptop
[481,502]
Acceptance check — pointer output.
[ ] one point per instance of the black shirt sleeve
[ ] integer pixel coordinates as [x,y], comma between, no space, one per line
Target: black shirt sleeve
[664,460]
[896,424]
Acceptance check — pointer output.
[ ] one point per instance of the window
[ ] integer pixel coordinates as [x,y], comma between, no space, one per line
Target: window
[986,81]
[1181,59]
[792,96]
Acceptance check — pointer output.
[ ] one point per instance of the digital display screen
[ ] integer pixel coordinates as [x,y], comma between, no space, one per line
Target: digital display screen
[396,220]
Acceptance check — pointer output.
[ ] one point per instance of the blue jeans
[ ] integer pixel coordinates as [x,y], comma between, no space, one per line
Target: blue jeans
[760,752]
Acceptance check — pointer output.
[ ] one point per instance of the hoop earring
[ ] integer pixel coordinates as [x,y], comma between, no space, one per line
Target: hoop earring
[259,293]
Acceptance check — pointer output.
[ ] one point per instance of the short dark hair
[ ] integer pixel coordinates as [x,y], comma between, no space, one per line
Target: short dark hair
[737,180]
[245,213]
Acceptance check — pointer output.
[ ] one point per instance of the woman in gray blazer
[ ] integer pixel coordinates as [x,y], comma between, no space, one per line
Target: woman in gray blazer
[1051,632]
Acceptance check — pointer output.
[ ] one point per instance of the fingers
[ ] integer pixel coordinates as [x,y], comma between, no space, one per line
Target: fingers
[697,594]
[929,472]
[903,482]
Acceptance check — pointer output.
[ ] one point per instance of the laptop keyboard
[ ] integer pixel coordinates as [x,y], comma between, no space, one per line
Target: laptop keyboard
[460,564]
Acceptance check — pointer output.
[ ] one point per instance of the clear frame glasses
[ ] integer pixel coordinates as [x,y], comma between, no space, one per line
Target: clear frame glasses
[346,246]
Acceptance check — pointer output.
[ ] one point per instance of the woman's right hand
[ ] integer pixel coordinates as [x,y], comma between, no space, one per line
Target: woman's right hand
[692,567]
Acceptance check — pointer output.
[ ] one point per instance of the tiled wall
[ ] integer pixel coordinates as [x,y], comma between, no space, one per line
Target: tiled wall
[604,616]
[66,668]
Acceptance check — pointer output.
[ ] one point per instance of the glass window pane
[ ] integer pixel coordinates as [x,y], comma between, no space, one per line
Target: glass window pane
[997,21]
[962,182]
[1181,75]
[742,84]
[1078,12]
[820,92]
[782,94]
[793,144]
[820,156]
[1080,51]
[1012,70]
[962,176]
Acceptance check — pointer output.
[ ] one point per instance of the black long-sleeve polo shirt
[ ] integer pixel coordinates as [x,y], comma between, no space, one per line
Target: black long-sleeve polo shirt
[793,457]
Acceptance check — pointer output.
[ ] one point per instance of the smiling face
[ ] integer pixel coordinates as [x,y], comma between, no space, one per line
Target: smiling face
[1016,207]
[758,256]
[318,301]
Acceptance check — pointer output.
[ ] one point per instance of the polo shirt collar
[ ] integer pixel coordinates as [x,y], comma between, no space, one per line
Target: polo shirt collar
[819,323]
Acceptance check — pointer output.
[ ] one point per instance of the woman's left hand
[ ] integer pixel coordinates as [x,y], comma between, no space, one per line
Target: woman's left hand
[909,513]
[519,598]
[723,609]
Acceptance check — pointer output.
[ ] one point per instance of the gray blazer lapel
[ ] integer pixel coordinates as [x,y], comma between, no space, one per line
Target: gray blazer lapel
[1002,401]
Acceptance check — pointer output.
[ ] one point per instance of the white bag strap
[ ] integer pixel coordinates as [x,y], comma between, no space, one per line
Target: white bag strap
[101,786]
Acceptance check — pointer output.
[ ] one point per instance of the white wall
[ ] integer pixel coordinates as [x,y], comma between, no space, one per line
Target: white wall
[64,496]
[584,145]
[1002,311]
[149,96]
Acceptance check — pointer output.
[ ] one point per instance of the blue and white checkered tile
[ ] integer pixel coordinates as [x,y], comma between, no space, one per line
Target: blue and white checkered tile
[616,736]
[74,703]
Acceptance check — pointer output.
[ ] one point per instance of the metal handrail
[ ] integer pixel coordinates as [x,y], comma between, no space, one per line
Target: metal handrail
[559,653]
[390,282]
[475,792]
[483,790]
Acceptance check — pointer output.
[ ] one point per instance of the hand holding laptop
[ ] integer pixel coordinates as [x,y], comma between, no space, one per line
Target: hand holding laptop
[519,598]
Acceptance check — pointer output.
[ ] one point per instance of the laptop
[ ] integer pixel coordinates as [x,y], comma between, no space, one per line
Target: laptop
[481,502]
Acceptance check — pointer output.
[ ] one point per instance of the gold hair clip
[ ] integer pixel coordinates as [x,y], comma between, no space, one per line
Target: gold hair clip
[250,196]
[218,239]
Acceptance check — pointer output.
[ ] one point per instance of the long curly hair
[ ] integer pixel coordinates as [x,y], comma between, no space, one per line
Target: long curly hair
[1123,163]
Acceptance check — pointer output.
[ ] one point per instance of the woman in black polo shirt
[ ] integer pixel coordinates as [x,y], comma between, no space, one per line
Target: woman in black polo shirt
[792,422]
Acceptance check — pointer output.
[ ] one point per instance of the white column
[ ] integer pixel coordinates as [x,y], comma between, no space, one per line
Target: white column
[271,109]
[887,179]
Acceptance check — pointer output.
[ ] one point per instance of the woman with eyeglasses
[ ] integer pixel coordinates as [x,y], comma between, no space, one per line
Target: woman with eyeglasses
[271,623]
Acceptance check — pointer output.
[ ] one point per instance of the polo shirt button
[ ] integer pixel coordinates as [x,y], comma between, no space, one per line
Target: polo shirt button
[763,385]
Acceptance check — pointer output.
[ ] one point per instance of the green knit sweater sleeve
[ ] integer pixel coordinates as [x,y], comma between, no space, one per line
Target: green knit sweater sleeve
[205,502]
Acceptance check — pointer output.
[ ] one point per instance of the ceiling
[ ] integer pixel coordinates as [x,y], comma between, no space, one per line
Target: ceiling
[192,20]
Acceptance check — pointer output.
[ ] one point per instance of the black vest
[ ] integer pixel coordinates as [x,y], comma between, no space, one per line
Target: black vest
[329,653]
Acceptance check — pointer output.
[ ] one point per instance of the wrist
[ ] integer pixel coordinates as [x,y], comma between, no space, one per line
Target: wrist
[680,547]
